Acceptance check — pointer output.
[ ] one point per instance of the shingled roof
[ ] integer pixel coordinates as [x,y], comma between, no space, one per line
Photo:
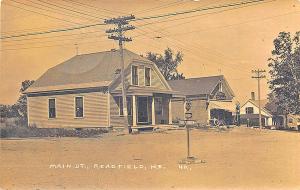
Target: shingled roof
[270,106]
[94,69]
[197,86]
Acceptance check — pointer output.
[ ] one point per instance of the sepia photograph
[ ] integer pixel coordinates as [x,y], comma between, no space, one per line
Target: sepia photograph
[150,94]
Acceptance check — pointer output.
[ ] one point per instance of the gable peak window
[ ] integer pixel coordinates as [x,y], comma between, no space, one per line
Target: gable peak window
[147,76]
[134,75]
[249,110]
[52,108]
[79,106]
[220,87]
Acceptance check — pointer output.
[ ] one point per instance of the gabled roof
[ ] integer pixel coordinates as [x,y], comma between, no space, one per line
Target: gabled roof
[197,86]
[269,105]
[94,69]
[263,104]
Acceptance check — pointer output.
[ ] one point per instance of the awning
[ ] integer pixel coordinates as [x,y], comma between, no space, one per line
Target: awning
[223,105]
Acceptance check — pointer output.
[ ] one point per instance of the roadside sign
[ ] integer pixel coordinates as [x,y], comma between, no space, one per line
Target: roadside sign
[188,115]
[186,122]
[190,122]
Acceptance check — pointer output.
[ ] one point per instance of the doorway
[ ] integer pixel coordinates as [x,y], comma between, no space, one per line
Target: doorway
[142,110]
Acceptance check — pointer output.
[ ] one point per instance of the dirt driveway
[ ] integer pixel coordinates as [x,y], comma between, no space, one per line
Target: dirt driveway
[237,159]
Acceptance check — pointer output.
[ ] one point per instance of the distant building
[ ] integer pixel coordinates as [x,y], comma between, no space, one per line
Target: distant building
[293,121]
[271,115]
[212,98]
[85,91]
[250,113]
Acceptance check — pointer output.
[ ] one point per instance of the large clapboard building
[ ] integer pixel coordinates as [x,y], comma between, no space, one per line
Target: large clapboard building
[85,91]
[212,99]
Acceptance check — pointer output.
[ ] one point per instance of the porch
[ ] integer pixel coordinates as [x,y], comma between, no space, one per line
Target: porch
[145,111]
[223,111]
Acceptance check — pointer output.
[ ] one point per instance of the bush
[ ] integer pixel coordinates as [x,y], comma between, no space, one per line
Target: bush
[24,132]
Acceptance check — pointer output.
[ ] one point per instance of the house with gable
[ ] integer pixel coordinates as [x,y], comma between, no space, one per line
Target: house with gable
[212,99]
[85,91]
[249,112]
[271,115]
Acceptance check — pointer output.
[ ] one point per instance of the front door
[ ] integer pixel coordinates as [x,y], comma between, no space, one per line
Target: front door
[142,109]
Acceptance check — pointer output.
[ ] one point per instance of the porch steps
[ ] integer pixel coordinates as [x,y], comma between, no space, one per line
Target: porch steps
[148,128]
[143,128]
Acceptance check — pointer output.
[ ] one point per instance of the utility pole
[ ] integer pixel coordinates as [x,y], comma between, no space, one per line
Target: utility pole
[259,75]
[122,26]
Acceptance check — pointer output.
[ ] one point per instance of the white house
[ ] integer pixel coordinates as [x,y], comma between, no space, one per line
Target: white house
[250,113]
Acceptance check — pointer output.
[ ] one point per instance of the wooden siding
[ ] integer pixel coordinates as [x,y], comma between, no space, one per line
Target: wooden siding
[156,81]
[177,110]
[162,118]
[95,111]
[199,111]
[224,90]
[115,119]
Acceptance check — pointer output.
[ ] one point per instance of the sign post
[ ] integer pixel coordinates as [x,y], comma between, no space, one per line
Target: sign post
[188,122]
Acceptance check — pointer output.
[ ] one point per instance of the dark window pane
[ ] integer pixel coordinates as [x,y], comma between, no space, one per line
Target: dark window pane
[158,105]
[249,110]
[79,106]
[147,76]
[134,75]
[121,105]
[129,105]
[52,110]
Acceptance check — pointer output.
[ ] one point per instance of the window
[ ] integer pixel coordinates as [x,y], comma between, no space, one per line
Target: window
[158,105]
[147,76]
[220,87]
[78,106]
[134,75]
[129,105]
[52,108]
[249,110]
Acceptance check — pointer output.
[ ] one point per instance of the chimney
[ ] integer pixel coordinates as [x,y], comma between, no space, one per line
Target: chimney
[252,95]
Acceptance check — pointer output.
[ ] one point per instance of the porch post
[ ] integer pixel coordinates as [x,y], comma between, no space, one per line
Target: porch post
[170,112]
[134,110]
[153,110]
[208,115]
[184,105]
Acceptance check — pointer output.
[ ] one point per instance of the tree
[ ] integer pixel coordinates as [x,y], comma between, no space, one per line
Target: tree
[285,73]
[167,63]
[7,111]
[21,105]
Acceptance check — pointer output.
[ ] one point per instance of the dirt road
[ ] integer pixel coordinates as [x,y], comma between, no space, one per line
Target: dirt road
[237,159]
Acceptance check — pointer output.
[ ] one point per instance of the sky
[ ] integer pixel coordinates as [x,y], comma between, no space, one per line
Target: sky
[228,41]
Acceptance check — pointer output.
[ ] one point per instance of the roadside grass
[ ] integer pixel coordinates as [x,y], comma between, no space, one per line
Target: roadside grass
[17,130]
